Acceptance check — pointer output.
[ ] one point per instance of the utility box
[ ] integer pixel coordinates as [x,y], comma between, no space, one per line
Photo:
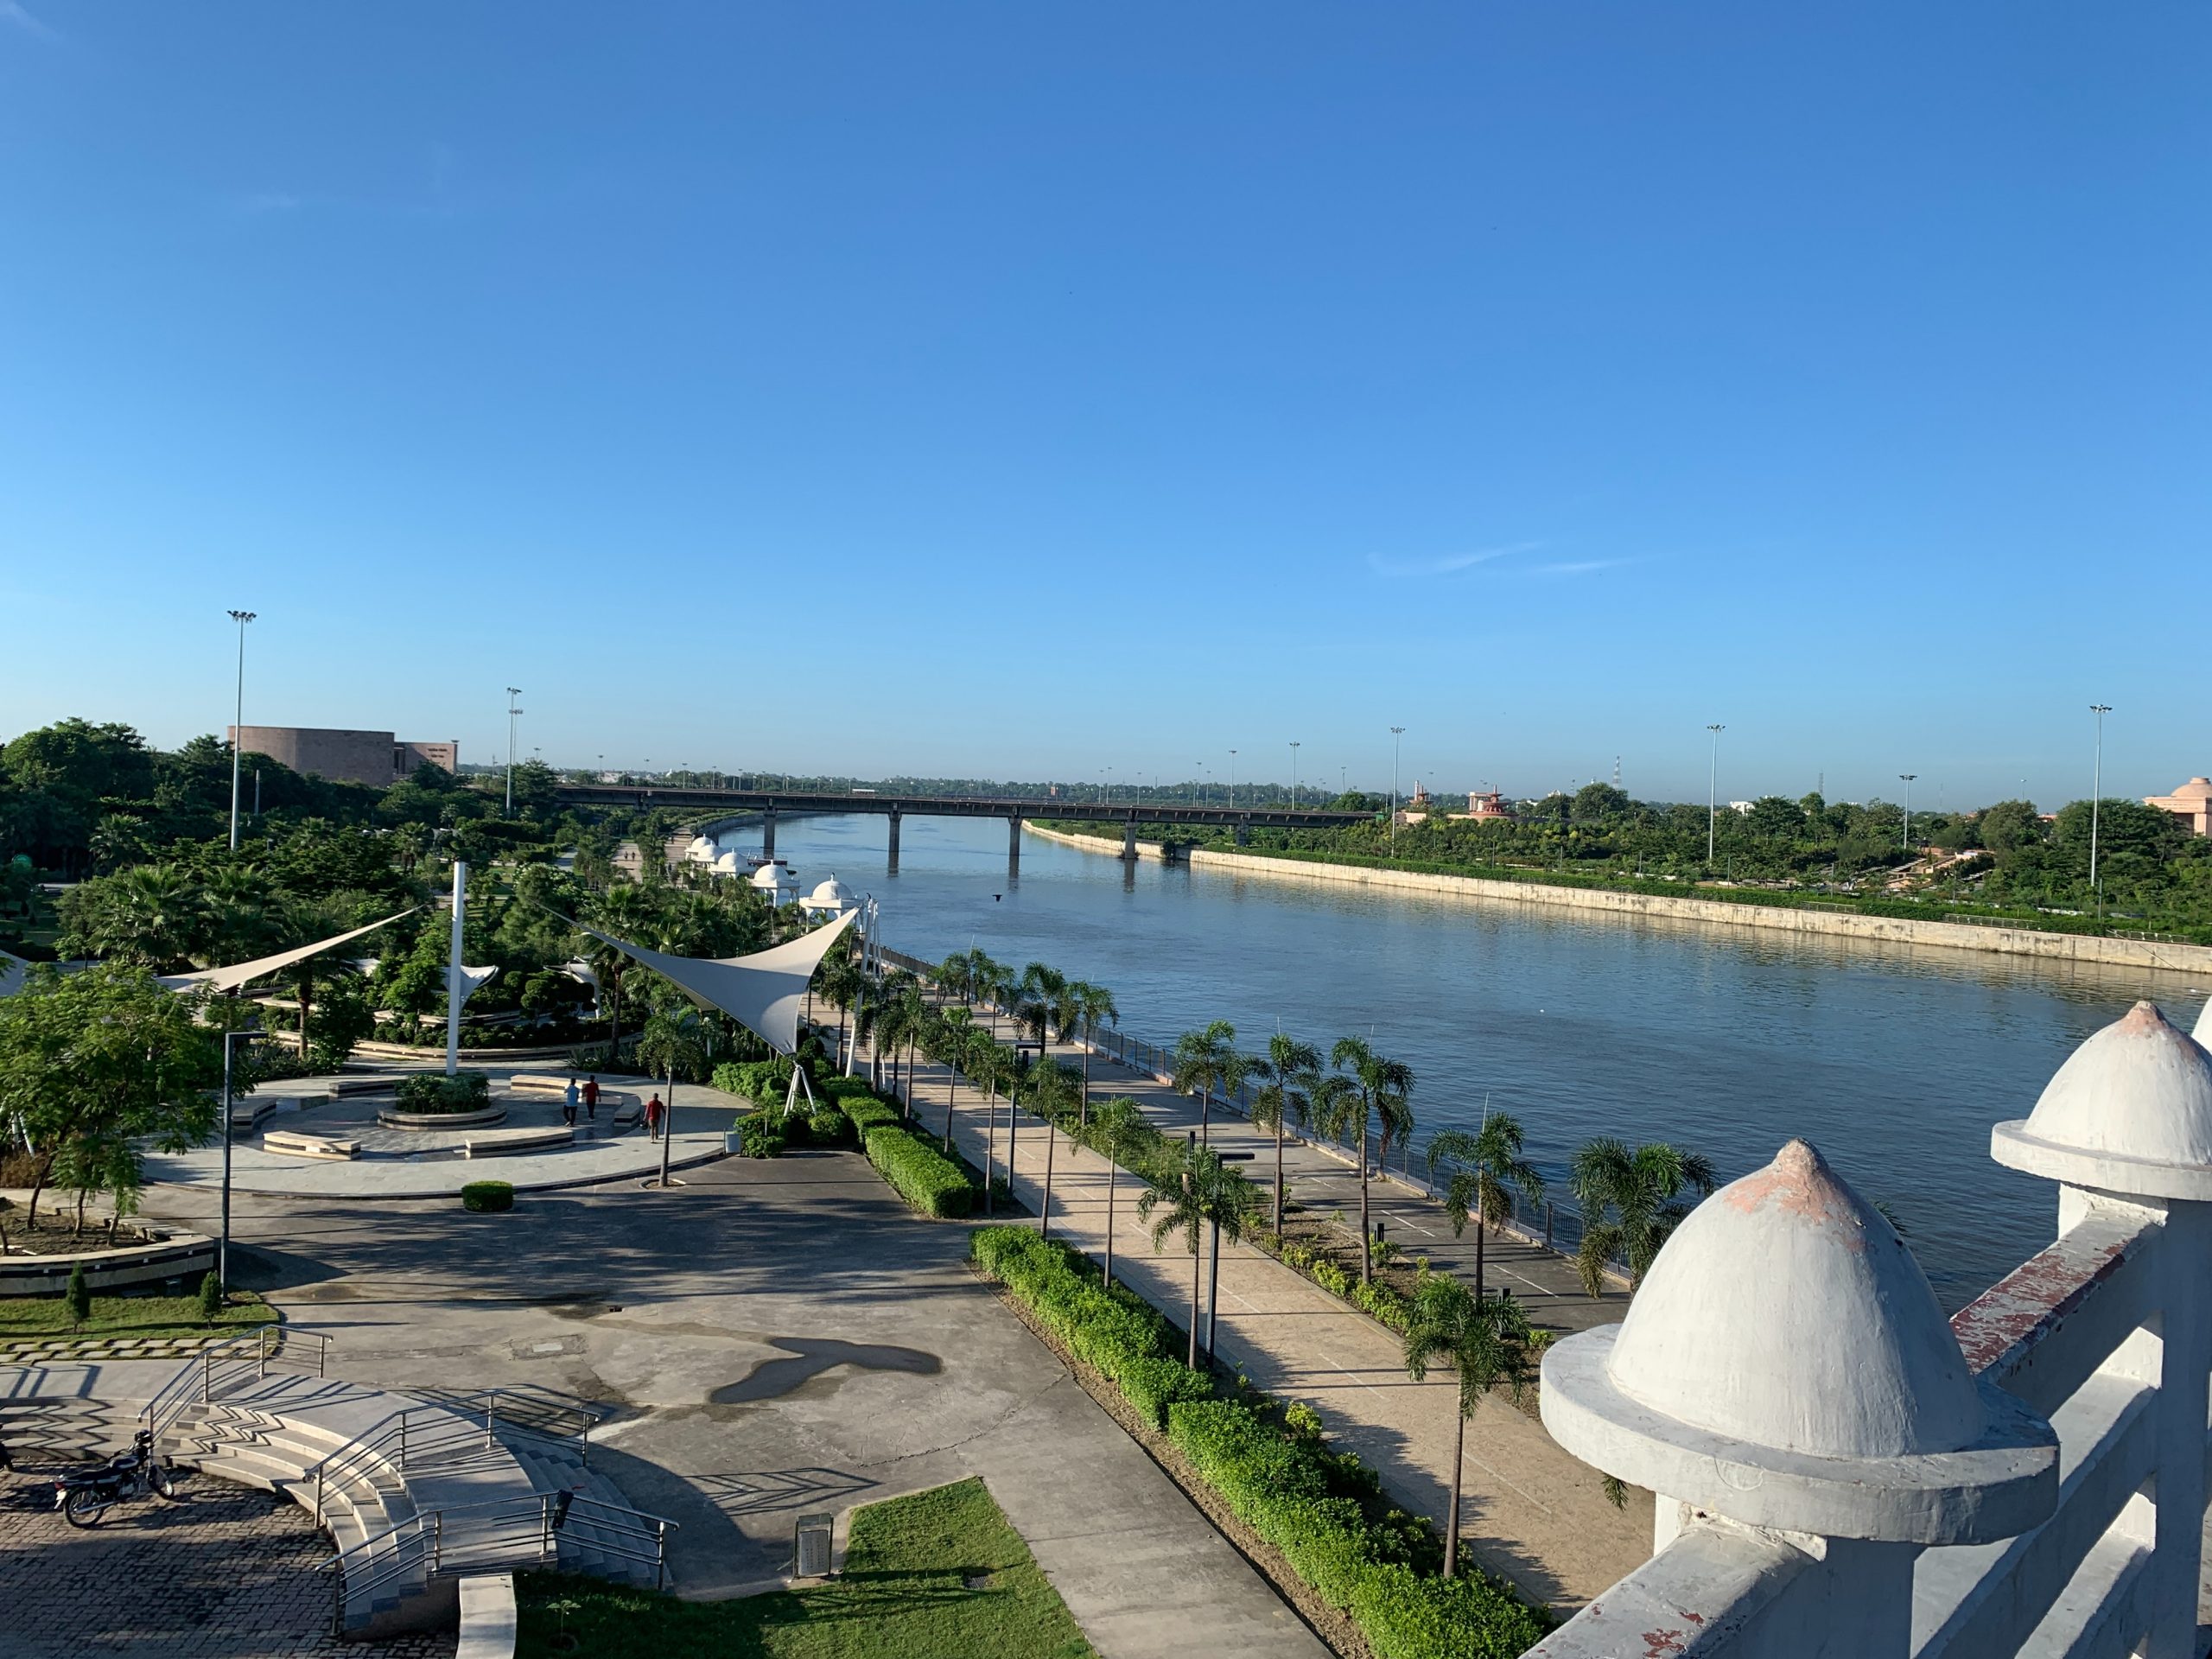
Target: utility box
[810,1549]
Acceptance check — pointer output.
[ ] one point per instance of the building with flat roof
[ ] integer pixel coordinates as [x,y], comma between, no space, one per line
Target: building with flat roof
[2191,804]
[374,757]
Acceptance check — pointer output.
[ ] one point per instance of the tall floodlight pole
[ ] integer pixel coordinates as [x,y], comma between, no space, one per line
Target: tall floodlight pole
[1906,777]
[1294,776]
[1711,792]
[453,969]
[223,1244]
[2096,797]
[1397,734]
[237,720]
[514,692]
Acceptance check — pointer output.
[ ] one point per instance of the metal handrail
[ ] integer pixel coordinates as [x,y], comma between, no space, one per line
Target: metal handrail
[421,1542]
[393,1444]
[197,1375]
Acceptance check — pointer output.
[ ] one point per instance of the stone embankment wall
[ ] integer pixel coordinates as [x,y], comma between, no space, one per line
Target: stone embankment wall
[2194,959]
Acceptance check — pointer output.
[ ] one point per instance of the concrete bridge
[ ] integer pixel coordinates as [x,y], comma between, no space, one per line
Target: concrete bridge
[1128,814]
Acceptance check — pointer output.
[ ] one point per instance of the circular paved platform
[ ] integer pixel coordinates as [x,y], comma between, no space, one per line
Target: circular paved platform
[602,1152]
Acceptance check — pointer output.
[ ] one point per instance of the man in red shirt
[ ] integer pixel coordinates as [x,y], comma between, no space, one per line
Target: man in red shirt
[591,1098]
[653,1110]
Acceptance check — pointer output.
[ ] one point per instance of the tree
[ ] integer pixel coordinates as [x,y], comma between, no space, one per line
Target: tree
[946,1043]
[1195,1190]
[1375,1091]
[991,1066]
[1053,1092]
[1120,1132]
[900,1022]
[1775,816]
[1485,1340]
[150,916]
[1290,1074]
[95,1065]
[1041,990]
[1631,1203]
[1092,1003]
[843,979]
[2009,826]
[1483,1169]
[1205,1060]
[621,911]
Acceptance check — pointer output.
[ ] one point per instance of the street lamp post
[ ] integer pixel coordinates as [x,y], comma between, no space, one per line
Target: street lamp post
[223,1242]
[1711,792]
[237,720]
[1906,777]
[1294,776]
[1232,777]
[1397,734]
[2096,796]
[514,692]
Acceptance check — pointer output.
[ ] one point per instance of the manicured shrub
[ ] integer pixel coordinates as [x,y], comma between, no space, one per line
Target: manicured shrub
[433,1091]
[1154,1386]
[761,1136]
[210,1298]
[78,1293]
[487,1198]
[919,1173]
[828,1127]
[866,1112]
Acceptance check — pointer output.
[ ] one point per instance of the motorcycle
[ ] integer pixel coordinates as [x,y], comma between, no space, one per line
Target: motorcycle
[83,1499]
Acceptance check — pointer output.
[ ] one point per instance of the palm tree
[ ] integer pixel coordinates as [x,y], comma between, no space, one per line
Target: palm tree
[1041,989]
[1376,1091]
[1631,1203]
[622,911]
[1484,1339]
[1289,1075]
[1198,1190]
[673,1040]
[1091,1003]
[989,1065]
[1052,1092]
[1482,1170]
[947,1044]
[150,916]
[1119,1133]
[1204,1061]
[905,1017]
[995,983]
[841,982]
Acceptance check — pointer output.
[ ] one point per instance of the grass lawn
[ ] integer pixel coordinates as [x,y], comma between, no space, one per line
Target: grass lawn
[128,1316]
[938,1575]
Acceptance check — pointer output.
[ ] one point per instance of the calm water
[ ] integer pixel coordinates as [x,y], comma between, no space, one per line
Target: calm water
[1895,1062]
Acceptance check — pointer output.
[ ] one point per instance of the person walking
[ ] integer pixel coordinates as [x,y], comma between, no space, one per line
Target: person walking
[591,1097]
[568,1098]
[654,1110]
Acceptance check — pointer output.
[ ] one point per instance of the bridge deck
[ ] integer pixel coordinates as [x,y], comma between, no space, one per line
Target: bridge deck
[951,806]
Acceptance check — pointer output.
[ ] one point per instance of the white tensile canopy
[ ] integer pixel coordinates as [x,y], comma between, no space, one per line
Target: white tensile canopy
[229,979]
[762,992]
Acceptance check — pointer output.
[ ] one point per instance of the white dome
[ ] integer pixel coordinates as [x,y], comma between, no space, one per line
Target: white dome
[764,876]
[2138,1088]
[726,864]
[1786,1313]
[832,893]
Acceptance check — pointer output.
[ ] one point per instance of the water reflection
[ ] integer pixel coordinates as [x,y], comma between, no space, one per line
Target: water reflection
[1895,1060]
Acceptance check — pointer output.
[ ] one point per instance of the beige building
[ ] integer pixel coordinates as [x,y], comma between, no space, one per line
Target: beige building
[374,757]
[2191,804]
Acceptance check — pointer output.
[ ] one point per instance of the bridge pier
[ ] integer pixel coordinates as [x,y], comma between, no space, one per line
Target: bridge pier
[1129,842]
[1013,845]
[768,831]
[1244,834]
[894,841]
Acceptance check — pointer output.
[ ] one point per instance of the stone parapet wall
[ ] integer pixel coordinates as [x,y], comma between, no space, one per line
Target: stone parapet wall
[2077,947]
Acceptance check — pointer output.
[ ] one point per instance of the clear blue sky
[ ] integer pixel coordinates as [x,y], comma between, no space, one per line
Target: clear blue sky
[1021,390]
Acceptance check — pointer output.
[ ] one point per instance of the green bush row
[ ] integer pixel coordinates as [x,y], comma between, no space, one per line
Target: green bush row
[433,1091]
[761,1136]
[1115,1332]
[1282,1489]
[488,1197]
[918,1171]
[1325,1511]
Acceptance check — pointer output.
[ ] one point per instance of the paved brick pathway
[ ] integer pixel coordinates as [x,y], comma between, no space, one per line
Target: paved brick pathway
[226,1572]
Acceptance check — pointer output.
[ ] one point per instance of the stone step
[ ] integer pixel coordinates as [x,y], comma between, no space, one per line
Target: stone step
[589,1542]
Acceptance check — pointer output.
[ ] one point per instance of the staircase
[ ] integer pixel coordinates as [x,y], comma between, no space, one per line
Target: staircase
[64,1427]
[603,1536]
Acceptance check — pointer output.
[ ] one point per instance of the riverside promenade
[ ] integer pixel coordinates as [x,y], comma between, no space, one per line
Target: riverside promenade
[1530,1512]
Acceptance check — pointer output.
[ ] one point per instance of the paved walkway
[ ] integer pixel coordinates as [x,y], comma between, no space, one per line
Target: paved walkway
[225,1573]
[1530,1511]
[772,1337]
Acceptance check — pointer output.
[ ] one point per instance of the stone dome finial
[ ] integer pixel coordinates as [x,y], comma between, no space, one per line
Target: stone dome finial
[1786,1364]
[2130,1111]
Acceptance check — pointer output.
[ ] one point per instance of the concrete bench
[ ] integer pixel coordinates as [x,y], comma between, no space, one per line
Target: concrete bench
[504,1142]
[346,1086]
[547,1082]
[293,1144]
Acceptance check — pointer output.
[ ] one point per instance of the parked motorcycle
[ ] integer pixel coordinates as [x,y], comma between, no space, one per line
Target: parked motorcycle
[83,1499]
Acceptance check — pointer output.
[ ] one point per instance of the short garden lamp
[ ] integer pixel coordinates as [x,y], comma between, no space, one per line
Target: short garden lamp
[1786,1367]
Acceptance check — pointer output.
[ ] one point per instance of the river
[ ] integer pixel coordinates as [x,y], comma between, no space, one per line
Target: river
[1894,1060]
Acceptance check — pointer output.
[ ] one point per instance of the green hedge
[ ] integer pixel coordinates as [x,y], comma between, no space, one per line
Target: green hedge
[1281,1489]
[488,1197]
[1325,1511]
[828,1127]
[918,1171]
[433,1091]
[761,1136]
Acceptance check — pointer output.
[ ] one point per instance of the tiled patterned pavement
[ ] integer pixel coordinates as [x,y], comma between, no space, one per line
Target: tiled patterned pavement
[225,1572]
